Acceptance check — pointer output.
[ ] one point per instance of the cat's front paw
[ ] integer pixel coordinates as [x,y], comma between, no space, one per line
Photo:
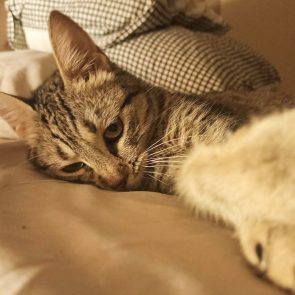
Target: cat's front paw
[270,248]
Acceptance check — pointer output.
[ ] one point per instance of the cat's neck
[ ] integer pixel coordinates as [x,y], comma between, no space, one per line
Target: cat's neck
[182,121]
[186,120]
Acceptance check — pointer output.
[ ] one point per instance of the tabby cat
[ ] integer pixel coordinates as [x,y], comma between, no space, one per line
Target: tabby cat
[94,123]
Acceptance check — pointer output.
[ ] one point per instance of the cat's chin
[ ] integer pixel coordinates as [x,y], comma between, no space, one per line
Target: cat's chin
[133,183]
[136,174]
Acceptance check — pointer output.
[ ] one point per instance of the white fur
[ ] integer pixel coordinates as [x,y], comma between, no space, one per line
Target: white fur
[249,183]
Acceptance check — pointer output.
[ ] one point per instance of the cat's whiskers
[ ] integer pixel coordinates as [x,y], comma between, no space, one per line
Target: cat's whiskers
[152,160]
[156,179]
[34,182]
[154,145]
[165,161]
[159,140]
[43,180]
[165,142]
[165,110]
[25,162]
[35,157]
[149,89]
[171,157]
[166,157]
[155,173]
[174,148]
[162,165]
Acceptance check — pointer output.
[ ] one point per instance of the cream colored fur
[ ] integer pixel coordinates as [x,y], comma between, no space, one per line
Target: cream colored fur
[95,80]
[248,182]
[245,179]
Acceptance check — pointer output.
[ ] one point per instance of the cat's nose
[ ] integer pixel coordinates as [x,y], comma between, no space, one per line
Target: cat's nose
[118,183]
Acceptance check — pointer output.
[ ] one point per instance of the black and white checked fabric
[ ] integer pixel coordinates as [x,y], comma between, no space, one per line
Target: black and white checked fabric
[193,62]
[144,38]
[107,21]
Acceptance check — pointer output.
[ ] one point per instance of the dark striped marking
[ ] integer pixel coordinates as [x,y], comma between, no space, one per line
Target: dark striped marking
[128,98]
[69,111]
[56,136]
[44,119]
[61,153]
[90,126]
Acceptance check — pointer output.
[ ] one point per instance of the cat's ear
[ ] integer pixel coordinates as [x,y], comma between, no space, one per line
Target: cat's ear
[76,54]
[19,115]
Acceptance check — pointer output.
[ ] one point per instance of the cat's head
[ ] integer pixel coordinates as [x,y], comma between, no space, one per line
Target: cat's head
[94,130]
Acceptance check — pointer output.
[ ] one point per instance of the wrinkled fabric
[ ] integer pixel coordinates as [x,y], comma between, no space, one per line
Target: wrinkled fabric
[23,71]
[64,238]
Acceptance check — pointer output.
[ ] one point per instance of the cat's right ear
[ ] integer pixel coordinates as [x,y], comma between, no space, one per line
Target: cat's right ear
[76,54]
[20,116]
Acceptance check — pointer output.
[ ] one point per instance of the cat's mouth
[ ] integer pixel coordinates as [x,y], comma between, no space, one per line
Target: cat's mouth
[136,172]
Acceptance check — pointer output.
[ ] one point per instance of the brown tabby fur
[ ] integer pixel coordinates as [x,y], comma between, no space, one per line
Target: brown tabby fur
[172,143]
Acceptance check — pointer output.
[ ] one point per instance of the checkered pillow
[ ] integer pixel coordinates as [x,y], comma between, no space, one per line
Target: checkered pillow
[193,62]
[107,21]
[163,48]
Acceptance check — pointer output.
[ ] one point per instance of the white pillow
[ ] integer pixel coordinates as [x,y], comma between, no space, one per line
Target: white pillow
[21,72]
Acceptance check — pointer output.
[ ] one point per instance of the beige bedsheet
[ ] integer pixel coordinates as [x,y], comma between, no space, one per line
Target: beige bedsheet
[62,238]
[66,239]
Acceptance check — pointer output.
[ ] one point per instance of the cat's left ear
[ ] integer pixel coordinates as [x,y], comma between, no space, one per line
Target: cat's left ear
[20,116]
[76,54]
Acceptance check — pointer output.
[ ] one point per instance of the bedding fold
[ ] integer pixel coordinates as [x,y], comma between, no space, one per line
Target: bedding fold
[64,238]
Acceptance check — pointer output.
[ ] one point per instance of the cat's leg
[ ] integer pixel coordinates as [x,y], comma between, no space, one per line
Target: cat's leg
[249,183]
[270,248]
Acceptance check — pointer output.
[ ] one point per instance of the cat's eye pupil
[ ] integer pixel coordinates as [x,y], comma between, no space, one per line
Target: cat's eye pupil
[114,131]
[113,127]
[73,167]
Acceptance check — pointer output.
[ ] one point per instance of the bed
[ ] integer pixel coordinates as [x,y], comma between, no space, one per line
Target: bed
[64,238]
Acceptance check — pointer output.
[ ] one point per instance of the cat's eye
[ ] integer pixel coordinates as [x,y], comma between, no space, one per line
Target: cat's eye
[72,168]
[114,131]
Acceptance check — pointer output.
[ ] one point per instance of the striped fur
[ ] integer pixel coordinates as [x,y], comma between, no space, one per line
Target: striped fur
[159,127]
[186,144]
[76,107]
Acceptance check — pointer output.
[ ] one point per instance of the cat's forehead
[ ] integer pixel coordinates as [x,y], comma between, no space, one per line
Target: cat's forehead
[72,118]
[102,103]
[83,98]
[98,89]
